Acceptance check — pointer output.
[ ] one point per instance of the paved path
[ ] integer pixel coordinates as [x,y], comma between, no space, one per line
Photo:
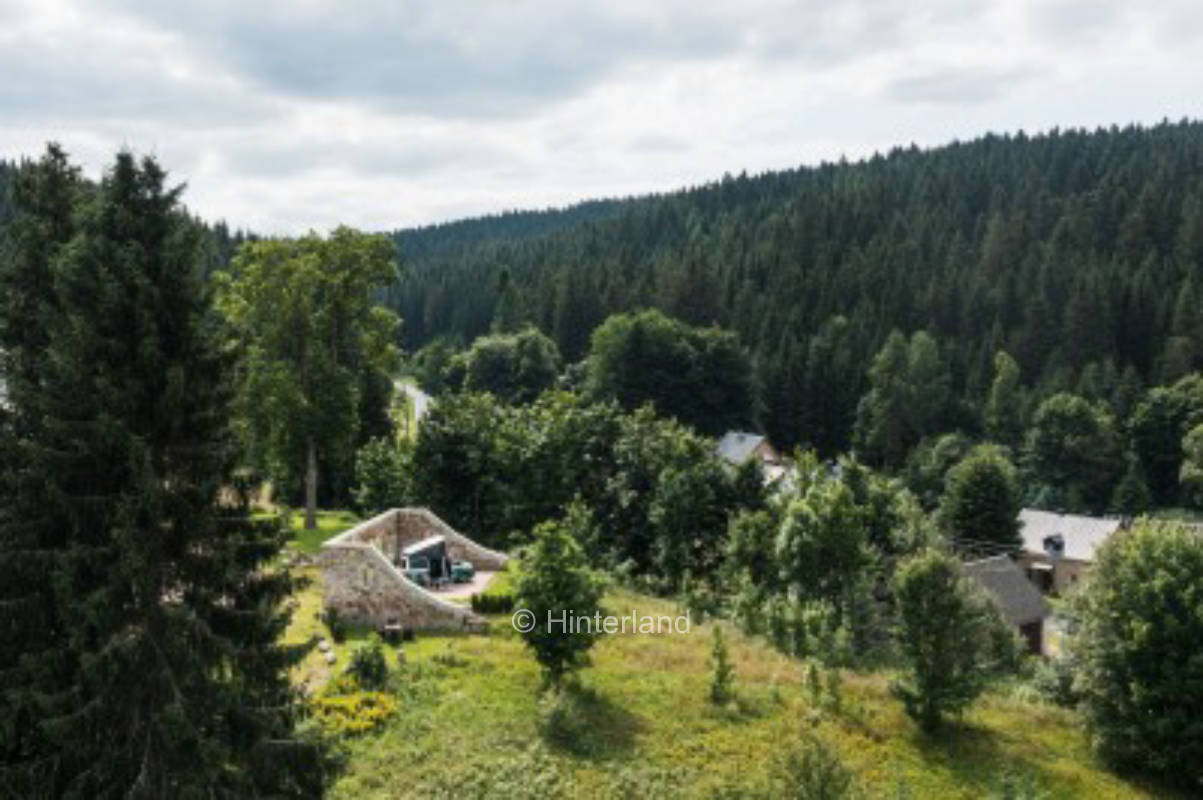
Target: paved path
[421,401]
[475,586]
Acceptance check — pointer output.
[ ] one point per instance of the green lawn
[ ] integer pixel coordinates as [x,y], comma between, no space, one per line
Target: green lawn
[329,523]
[469,726]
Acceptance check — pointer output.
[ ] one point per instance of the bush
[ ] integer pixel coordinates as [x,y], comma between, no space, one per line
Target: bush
[493,603]
[814,771]
[338,628]
[1053,679]
[1141,674]
[368,666]
[354,713]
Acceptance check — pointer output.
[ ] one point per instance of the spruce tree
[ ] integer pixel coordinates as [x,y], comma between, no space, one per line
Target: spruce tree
[31,647]
[163,676]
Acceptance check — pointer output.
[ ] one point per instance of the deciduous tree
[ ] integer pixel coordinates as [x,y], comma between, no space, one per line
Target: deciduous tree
[303,310]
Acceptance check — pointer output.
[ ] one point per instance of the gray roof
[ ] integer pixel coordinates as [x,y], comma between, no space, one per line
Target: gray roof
[428,542]
[737,446]
[1081,534]
[1016,597]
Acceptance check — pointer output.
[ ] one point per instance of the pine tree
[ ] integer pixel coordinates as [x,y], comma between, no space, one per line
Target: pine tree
[164,677]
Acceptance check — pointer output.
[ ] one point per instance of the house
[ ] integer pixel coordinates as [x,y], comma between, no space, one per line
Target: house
[363,579]
[1059,548]
[737,447]
[1020,603]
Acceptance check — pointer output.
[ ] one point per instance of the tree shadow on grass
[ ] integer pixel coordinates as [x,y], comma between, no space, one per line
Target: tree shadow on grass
[580,721]
[975,756]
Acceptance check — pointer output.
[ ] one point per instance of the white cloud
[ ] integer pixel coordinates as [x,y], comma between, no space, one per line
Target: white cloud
[283,116]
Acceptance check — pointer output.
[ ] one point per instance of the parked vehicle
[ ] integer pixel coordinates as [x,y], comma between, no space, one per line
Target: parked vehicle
[417,569]
[462,571]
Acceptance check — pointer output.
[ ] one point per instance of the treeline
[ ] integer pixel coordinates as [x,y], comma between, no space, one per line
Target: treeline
[1079,253]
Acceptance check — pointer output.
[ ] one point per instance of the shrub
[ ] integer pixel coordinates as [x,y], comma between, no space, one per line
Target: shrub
[338,628]
[1054,681]
[354,713]
[814,771]
[493,603]
[368,666]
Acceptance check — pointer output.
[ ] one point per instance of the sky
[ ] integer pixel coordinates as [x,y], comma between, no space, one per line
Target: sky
[283,117]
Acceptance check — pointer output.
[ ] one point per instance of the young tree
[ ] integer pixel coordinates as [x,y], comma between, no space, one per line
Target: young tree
[1132,495]
[1004,405]
[515,367]
[908,397]
[161,674]
[304,311]
[981,503]
[382,475]
[948,632]
[556,584]
[1141,622]
[722,674]
[821,548]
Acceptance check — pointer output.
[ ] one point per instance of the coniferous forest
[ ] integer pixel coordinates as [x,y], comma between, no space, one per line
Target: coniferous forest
[1078,253]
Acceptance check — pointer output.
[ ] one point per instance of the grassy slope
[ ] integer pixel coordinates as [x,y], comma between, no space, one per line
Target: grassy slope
[645,725]
[329,523]
[469,723]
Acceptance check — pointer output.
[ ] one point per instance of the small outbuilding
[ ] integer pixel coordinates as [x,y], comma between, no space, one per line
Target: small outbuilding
[1017,599]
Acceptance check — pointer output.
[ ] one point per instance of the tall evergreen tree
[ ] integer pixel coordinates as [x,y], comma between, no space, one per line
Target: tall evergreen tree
[162,675]
[44,196]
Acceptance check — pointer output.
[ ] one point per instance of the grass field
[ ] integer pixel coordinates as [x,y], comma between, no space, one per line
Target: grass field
[641,725]
[329,523]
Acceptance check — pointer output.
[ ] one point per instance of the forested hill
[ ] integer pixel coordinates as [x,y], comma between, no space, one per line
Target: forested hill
[1080,253]
[453,238]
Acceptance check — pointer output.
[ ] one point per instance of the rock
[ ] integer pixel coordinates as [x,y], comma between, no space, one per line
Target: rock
[323,645]
[400,657]
[331,657]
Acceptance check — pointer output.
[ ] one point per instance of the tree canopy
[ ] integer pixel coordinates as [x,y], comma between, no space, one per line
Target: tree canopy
[303,311]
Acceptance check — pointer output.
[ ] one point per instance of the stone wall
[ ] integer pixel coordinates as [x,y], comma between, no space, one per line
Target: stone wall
[363,587]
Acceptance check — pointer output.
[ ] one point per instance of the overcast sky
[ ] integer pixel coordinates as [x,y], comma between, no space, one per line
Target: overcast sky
[285,116]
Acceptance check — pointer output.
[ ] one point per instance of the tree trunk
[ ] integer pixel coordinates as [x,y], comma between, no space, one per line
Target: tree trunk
[311,486]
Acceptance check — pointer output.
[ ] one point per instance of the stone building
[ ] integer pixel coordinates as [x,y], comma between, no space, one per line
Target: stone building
[364,586]
[1020,603]
[1058,549]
